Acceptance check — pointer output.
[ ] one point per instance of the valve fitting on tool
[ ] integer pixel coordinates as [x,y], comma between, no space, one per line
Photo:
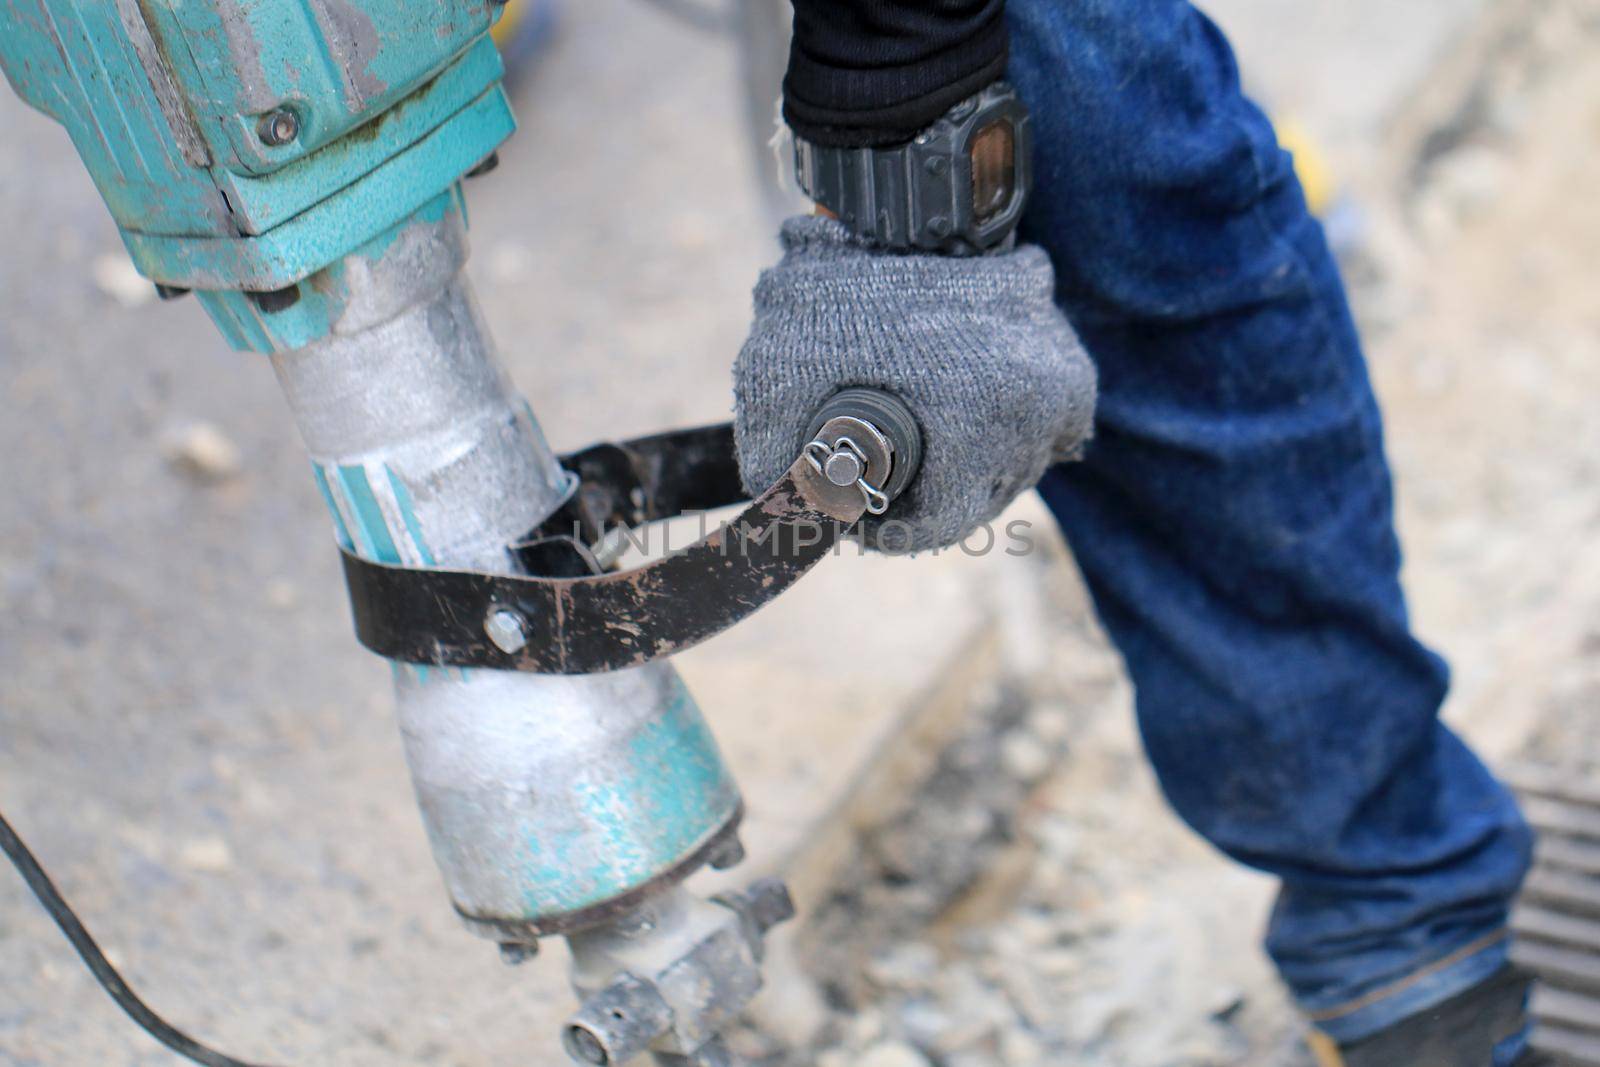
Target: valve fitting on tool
[669,976]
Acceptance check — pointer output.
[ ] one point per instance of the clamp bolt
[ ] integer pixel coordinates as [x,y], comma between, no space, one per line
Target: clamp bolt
[516,953]
[729,853]
[765,904]
[507,629]
[844,464]
[278,127]
[843,467]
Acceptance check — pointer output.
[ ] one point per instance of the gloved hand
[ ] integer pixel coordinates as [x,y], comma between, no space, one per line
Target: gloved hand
[997,380]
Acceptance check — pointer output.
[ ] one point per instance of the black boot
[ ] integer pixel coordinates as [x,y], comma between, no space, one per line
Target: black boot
[1461,1032]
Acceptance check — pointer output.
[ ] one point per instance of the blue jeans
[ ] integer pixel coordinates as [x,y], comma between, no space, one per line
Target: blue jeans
[1234,521]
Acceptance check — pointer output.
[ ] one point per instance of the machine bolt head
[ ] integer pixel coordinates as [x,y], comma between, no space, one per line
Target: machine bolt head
[278,127]
[515,953]
[507,629]
[487,164]
[768,904]
[276,300]
[729,853]
[842,467]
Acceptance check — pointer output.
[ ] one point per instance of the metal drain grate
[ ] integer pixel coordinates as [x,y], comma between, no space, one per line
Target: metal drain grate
[1557,920]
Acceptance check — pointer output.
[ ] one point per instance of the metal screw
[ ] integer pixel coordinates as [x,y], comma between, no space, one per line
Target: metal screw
[278,127]
[939,226]
[642,920]
[507,629]
[515,953]
[728,853]
[842,467]
[276,300]
[488,163]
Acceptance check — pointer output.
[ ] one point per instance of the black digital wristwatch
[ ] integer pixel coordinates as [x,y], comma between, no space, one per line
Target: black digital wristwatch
[957,188]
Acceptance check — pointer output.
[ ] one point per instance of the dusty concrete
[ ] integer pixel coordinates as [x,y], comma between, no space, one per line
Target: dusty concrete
[1342,69]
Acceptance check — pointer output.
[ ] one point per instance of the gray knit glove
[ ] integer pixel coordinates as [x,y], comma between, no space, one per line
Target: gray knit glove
[997,380]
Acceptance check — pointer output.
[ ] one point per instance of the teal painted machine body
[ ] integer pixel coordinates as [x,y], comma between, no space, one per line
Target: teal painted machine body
[164,100]
[547,799]
[324,296]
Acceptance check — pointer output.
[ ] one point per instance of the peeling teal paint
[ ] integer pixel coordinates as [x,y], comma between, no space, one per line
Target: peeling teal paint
[416,670]
[376,543]
[408,515]
[333,509]
[342,222]
[264,202]
[336,64]
[681,774]
[635,820]
[431,212]
[395,102]
[249,329]
[322,297]
[77,63]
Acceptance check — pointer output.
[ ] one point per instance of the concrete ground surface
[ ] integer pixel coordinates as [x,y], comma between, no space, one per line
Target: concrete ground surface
[203,757]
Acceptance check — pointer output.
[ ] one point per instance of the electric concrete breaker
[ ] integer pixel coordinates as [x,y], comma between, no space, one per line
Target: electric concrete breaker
[297,165]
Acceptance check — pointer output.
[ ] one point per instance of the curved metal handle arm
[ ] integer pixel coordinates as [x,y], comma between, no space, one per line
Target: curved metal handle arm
[569,620]
[604,622]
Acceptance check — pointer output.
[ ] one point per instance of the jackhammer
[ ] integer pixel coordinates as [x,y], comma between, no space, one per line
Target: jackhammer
[298,166]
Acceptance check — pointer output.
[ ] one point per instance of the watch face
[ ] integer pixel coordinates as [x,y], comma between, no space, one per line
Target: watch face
[957,188]
[994,169]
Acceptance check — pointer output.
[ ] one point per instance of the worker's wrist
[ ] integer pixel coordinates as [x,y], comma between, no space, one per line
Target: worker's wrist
[958,187]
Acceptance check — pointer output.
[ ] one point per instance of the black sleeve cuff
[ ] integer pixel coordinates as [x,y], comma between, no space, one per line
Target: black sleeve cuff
[867,73]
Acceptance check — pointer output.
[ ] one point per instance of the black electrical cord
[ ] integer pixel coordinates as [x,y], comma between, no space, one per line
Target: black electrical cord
[140,1012]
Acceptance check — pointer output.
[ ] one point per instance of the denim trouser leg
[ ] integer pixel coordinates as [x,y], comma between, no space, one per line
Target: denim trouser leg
[1234,520]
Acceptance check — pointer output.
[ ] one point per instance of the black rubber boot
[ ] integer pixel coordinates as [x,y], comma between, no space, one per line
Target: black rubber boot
[1461,1032]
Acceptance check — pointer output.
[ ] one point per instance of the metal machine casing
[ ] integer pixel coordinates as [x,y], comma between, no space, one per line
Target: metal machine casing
[164,99]
[298,163]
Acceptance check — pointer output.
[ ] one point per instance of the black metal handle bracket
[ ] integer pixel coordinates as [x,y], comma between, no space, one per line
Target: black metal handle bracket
[567,619]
